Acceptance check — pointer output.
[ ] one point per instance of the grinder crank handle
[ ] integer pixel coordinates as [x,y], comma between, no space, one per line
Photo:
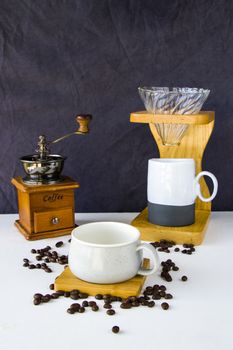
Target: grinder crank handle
[83,120]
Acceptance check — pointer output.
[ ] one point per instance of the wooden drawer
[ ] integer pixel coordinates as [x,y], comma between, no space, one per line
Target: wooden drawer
[53,219]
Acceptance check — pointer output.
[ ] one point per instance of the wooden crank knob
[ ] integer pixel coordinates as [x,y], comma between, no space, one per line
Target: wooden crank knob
[83,120]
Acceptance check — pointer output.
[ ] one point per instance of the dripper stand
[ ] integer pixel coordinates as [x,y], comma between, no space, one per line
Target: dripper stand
[192,145]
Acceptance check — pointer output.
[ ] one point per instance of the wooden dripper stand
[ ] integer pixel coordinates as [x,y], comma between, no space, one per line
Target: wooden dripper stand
[199,128]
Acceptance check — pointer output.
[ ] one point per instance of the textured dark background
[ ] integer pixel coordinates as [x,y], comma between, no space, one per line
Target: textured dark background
[61,58]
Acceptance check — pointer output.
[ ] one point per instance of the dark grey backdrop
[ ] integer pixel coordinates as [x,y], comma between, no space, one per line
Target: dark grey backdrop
[61,58]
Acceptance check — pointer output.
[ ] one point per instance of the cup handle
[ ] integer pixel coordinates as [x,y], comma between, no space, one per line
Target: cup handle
[198,187]
[154,257]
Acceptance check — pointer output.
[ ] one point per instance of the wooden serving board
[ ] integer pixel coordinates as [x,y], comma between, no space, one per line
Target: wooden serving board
[67,282]
[186,234]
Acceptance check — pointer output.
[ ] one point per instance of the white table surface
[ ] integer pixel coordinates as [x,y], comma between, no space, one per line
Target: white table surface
[200,316]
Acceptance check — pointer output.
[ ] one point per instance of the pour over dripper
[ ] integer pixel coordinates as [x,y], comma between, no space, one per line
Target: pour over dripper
[163,100]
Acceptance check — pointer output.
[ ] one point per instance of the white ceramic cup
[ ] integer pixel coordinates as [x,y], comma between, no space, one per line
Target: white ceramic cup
[109,252]
[172,188]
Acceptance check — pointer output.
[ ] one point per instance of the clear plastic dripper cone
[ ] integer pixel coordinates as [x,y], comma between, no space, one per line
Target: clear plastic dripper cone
[163,100]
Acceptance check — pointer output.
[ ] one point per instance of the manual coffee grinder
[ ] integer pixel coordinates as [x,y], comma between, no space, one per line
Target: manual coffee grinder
[45,197]
[180,130]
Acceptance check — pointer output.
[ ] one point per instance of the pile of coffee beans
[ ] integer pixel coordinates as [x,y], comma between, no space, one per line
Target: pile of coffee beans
[76,307]
[189,249]
[168,266]
[146,299]
[165,246]
[151,293]
[47,255]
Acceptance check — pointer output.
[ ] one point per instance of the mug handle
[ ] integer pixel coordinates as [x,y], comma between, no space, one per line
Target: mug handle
[154,257]
[198,187]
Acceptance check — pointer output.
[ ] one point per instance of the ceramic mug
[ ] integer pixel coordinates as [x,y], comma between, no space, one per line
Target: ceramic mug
[172,188]
[109,252]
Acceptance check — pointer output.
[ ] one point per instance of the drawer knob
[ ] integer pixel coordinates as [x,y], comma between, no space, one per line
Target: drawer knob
[55,221]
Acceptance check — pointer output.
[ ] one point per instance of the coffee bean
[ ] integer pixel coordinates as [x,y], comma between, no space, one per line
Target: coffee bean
[59,244]
[53,260]
[81,310]
[184,278]
[85,303]
[99,296]
[151,303]
[162,288]
[184,251]
[46,260]
[135,303]
[37,301]
[69,240]
[25,260]
[71,311]
[75,307]
[96,308]
[83,295]
[156,297]
[55,295]
[51,286]
[45,299]
[38,266]
[125,306]
[177,249]
[168,296]
[60,292]
[106,296]
[162,294]
[26,264]
[32,266]
[33,251]
[91,303]
[131,299]
[165,306]
[38,257]
[110,312]
[67,294]
[113,298]
[74,291]
[107,306]
[48,270]
[166,276]
[37,295]
[74,296]
[175,268]
[115,329]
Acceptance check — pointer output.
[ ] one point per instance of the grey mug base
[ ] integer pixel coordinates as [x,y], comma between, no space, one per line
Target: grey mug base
[171,215]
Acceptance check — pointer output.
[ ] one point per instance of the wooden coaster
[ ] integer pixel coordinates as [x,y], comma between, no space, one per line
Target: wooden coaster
[186,234]
[67,282]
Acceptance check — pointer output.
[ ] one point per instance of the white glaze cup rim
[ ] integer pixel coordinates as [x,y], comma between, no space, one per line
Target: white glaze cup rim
[171,160]
[129,230]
